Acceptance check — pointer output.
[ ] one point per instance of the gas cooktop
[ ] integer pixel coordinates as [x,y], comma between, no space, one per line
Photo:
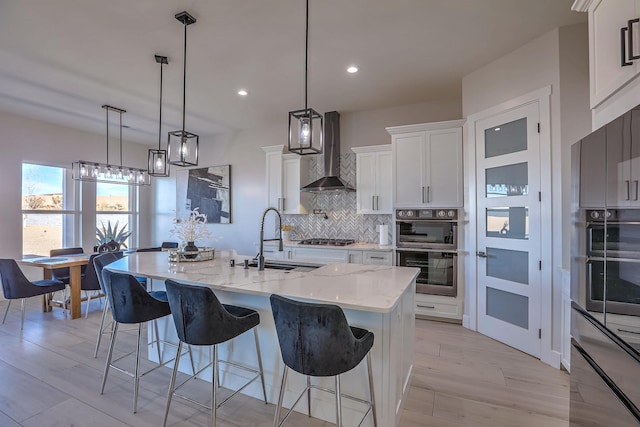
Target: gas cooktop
[327,242]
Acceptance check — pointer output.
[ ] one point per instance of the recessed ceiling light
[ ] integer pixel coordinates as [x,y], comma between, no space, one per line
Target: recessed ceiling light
[352,69]
[243,92]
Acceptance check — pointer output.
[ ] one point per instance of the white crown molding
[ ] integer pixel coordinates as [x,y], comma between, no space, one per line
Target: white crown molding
[581,5]
[372,148]
[425,126]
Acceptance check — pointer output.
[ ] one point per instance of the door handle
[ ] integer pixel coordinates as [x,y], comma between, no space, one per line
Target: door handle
[630,39]
[623,47]
[481,254]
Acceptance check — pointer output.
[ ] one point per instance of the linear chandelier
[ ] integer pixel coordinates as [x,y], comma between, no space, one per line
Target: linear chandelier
[83,170]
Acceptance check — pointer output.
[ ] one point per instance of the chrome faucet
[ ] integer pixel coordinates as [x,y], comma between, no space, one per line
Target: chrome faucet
[260,256]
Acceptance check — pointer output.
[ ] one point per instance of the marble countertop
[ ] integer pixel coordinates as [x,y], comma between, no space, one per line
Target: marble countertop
[371,288]
[354,246]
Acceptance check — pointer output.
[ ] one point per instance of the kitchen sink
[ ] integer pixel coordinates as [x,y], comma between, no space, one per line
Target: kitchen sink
[285,265]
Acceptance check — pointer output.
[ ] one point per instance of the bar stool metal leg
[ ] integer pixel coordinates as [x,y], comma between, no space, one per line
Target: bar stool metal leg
[114,332]
[22,314]
[338,404]
[172,384]
[309,395]
[373,396]
[101,330]
[280,397]
[216,376]
[264,390]
[136,381]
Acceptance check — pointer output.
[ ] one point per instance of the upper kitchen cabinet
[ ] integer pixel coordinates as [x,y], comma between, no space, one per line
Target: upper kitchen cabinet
[623,160]
[285,174]
[592,170]
[427,164]
[373,179]
[614,46]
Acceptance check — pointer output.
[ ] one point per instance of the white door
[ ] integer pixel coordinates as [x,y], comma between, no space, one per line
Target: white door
[508,224]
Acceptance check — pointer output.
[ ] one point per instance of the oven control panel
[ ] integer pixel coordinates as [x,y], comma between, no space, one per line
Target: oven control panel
[447,214]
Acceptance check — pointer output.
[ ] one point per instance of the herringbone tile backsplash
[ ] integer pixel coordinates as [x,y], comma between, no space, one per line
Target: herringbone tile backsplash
[343,222]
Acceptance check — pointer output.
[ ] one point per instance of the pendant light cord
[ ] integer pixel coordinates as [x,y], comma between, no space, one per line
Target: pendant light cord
[184,79]
[306,55]
[120,139]
[107,135]
[160,122]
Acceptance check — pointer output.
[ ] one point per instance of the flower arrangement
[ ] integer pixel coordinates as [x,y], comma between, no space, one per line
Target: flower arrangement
[191,227]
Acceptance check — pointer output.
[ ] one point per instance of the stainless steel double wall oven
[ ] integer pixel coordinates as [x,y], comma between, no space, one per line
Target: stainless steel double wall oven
[428,239]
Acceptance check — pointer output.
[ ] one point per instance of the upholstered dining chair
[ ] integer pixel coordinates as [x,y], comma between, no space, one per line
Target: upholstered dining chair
[90,283]
[316,341]
[16,286]
[202,320]
[62,274]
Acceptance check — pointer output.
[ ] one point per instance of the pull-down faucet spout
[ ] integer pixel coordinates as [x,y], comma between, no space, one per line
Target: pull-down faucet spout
[260,256]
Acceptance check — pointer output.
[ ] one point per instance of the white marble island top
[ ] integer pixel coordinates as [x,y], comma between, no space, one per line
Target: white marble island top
[370,288]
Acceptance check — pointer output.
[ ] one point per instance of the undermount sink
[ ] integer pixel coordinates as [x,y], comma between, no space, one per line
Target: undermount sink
[284,265]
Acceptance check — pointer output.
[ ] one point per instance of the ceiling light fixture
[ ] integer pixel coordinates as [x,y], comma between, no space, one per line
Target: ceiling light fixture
[183,145]
[105,172]
[352,69]
[305,126]
[243,92]
[158,163]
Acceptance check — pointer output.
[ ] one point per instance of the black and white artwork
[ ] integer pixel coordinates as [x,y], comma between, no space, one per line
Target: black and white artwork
[208,189]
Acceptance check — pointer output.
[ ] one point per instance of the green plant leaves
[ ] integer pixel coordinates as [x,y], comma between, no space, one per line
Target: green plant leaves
[105,234]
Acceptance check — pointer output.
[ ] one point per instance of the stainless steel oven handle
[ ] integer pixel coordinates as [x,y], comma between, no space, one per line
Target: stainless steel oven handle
[434,250]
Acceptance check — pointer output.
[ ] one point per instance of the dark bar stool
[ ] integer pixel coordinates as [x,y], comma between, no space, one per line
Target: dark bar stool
[316,341]
[201,319]
[131,304]
[16,286]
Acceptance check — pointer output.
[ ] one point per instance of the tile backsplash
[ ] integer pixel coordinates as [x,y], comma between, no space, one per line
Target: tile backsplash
[343,222]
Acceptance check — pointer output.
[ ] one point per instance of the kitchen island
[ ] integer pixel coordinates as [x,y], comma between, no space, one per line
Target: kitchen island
[377,298]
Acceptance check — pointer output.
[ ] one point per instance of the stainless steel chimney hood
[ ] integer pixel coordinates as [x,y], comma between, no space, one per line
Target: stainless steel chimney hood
[331,180]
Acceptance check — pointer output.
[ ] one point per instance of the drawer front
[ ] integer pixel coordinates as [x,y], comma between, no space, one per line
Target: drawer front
[438,309]
[329,255]
[614,356]
[377,258]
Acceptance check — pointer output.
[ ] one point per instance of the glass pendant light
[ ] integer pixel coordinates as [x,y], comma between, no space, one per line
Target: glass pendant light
[183,145]
[158,163]
[305,126]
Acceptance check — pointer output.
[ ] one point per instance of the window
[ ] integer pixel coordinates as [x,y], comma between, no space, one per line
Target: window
[115,211]
[49,217]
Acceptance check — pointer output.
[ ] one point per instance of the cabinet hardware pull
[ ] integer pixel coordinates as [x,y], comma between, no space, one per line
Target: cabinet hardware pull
[422,194]
[283,208]
[377,203]
[630,39]
[426,306]
[627,182]
[636,182]
[376,257]
[428,194]
[373,203]
[623,48]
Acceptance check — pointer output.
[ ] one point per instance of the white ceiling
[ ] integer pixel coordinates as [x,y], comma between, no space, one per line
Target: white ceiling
[61,60]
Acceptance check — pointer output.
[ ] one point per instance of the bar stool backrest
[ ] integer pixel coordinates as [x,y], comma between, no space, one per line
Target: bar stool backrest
[315,339]
[129,300]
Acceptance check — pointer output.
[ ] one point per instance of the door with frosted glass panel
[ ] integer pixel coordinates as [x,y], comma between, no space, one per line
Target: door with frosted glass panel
[508,224]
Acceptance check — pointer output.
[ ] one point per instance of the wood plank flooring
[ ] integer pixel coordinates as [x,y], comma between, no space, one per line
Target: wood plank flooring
[48,377]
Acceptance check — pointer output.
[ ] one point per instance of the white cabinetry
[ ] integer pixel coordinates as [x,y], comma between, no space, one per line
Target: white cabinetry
[317,254]
[610,46]
[377,258]
[427,164]
[438,307]
[373,179]
[284,180]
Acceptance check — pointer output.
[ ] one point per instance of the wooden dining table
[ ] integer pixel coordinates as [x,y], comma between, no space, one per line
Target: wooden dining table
[74,263]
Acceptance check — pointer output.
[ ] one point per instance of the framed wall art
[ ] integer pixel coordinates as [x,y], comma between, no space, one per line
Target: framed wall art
[208,189]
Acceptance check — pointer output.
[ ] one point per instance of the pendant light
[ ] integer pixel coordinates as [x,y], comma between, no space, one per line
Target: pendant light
[158,163]
[305,126]
[106,172]
[183,145]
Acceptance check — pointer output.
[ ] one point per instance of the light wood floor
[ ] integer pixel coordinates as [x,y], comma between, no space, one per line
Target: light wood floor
[48,377]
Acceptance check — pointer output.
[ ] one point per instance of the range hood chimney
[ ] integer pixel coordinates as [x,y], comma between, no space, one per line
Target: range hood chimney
[331,180]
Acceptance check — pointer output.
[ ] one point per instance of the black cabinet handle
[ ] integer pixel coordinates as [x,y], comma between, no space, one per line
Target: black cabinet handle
[623,47]
[630,23]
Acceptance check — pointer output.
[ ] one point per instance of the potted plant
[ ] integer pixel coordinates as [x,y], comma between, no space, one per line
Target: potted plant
[110,238]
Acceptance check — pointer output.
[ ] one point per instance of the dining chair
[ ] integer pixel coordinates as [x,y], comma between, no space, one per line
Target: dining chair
[316,341]
[62,274]
[90,283]
[16,286]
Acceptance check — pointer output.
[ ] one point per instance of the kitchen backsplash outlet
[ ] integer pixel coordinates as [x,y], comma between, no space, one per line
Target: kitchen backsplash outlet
[343,222]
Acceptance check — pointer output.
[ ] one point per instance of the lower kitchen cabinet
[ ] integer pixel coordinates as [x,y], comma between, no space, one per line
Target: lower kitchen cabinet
[377,258]
[436,306]
[355,257]
[328,254]
[316,254]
